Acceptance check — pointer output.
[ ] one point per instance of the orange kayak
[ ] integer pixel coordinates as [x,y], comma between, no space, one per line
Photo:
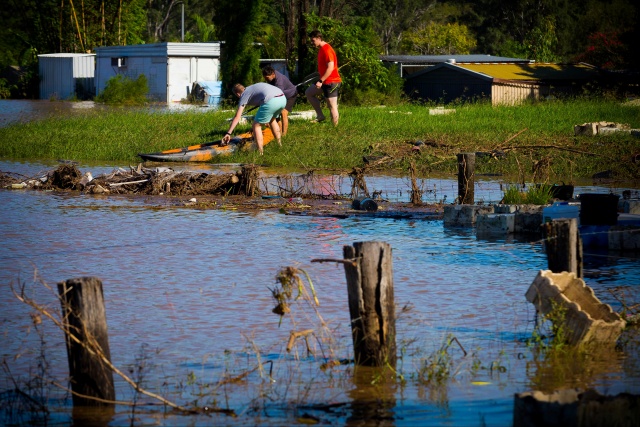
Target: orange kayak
[207,151]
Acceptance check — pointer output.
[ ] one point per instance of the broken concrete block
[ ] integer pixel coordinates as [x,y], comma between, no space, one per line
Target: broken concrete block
[624,238]
[463,215]
[528,222]
[495,223]
[596,128]
[588,129]
[585,320]
[504,209]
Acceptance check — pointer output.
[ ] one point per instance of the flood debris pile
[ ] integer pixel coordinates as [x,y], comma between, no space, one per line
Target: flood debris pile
[140,180]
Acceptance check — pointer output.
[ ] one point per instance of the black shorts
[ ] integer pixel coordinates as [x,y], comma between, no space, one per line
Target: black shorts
[290,103]
[331,90]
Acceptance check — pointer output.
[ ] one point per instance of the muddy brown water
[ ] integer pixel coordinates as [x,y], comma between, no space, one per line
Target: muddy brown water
[188,301]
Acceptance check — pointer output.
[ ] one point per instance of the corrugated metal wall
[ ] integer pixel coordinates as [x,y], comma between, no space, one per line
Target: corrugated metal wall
[514,93]
[67,76]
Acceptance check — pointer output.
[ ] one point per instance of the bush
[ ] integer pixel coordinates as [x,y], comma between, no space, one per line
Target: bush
[121,90]
[539,194]
[5,91]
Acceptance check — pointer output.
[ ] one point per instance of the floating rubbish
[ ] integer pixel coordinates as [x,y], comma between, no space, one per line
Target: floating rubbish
[364,204]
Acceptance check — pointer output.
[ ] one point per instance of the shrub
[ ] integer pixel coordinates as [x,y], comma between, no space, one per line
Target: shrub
[513,196]
[538,194]
[121,90]
[5,91]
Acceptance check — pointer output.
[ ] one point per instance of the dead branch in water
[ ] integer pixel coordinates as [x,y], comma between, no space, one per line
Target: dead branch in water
[93,347]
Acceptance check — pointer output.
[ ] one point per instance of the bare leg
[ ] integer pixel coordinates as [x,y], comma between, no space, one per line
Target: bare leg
[257,134]
[275,128]
[312,96]
[333,110]
[285,122]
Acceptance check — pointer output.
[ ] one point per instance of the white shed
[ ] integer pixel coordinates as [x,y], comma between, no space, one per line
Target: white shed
[67,75]
[170,68]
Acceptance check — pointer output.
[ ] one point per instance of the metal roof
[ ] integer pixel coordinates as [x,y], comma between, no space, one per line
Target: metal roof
[210,49]
[65,55]
[533,71]
[438,59]
[519,72]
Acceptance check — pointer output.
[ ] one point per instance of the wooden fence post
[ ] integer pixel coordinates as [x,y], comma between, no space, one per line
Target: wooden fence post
[85,319]
[371,302]
[563,245]
[466,171]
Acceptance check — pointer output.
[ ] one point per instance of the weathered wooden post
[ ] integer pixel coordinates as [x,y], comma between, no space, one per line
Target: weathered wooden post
[371,302]
[85,323]
[466,171]
[249,180]
[563,245]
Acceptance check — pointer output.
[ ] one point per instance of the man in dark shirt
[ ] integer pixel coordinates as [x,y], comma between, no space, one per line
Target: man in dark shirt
[281,81]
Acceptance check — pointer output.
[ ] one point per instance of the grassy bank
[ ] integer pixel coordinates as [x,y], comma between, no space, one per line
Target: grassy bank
[534,142]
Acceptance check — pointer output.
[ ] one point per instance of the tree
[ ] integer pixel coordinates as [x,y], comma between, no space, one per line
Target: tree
[239,23]
[391,18]
[438,39]
[605,50]
[204,32]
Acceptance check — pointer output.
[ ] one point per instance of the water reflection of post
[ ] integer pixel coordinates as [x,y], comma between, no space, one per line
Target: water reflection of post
[93,415]
[373,397]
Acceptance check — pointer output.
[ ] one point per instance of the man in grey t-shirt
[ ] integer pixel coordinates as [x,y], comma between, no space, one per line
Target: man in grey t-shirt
[271,101]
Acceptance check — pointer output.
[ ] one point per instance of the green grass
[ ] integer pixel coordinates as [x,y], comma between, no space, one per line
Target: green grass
[544,133]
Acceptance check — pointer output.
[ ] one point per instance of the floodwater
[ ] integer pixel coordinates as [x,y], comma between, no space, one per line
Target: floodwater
[189,311]
[188,297]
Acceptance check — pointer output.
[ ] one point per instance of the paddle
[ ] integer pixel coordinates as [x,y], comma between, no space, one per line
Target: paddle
[307,79]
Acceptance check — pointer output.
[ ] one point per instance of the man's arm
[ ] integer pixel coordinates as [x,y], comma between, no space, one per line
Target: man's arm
[234,123]
[325,76]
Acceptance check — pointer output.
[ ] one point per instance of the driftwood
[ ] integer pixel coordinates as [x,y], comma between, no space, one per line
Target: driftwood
[142,180]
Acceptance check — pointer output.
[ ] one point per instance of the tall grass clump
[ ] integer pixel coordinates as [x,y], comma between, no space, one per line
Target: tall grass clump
[537,194]
[121,90]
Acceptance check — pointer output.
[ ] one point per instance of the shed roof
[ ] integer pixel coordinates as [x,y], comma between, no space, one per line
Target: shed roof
[536,72]
[438,59]
[65,55]
[210,49]
[533,71]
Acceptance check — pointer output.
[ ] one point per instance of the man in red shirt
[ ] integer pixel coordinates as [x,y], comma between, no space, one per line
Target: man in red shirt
[329,81]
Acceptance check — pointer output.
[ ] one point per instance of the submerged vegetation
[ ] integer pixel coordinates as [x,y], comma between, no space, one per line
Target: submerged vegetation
[532,142]
[121,90]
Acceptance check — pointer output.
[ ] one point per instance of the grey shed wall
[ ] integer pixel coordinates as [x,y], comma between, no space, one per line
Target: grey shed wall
[66,76]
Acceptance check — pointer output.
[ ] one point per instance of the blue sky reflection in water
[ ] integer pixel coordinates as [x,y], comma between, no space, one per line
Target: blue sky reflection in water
[187,292]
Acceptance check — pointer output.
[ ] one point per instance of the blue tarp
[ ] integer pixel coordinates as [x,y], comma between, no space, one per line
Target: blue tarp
[212,91]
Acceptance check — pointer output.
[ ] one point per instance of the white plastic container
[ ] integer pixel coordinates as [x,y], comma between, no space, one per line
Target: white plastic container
[561,210]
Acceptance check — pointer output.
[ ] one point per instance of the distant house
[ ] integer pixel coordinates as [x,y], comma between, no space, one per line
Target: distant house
[409,64]
[502,83]
[171,69]
[67,75]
